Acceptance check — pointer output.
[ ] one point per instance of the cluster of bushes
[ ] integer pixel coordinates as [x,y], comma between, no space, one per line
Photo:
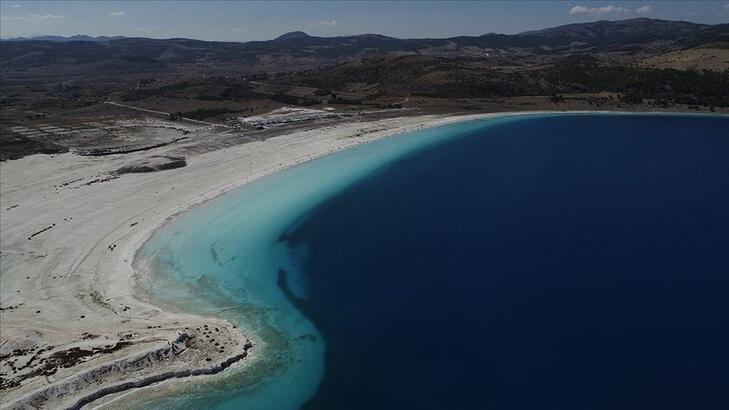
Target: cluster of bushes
[200,113]
[336,99]
[293,100]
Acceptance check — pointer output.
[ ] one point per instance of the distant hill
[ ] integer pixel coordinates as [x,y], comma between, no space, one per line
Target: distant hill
[298,50]
[583,35]
[292,35]
[79,37]
[623,31]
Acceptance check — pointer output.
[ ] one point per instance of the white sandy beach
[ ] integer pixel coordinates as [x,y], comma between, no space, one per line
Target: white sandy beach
[68,279]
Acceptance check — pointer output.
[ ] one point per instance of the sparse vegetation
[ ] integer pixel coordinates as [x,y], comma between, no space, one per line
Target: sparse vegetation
[202,113]
[294,100]
[433,78]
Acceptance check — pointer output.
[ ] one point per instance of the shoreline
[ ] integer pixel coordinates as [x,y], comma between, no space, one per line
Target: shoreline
[95,268]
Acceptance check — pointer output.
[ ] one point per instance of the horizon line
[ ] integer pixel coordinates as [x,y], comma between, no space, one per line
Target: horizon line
[120,36]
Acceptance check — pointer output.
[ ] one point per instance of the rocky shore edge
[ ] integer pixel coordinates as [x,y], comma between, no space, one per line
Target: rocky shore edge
[194,352]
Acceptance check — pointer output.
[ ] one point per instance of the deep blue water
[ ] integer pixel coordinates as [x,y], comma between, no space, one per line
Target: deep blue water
[567,262]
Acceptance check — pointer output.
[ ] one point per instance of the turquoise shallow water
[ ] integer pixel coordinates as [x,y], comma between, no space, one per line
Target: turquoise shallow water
[222,259]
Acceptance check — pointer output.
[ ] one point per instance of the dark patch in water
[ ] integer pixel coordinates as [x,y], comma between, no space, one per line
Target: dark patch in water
[553,263]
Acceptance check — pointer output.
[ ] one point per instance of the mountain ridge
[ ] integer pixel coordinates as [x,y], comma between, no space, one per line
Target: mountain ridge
[301,50]
[298,34]
[76,37]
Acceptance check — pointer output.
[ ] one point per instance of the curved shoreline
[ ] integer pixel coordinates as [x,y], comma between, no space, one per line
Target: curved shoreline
[301,160]
[85,263]
[148,381]
[120,271]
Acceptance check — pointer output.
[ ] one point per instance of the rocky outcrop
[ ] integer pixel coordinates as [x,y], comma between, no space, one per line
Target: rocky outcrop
[148,381]
[146,369]
[152,164]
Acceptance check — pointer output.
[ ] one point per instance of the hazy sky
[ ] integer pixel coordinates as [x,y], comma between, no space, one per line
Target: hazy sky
[243,21]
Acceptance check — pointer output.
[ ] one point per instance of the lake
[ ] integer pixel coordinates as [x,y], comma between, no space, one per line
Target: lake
[538,261]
